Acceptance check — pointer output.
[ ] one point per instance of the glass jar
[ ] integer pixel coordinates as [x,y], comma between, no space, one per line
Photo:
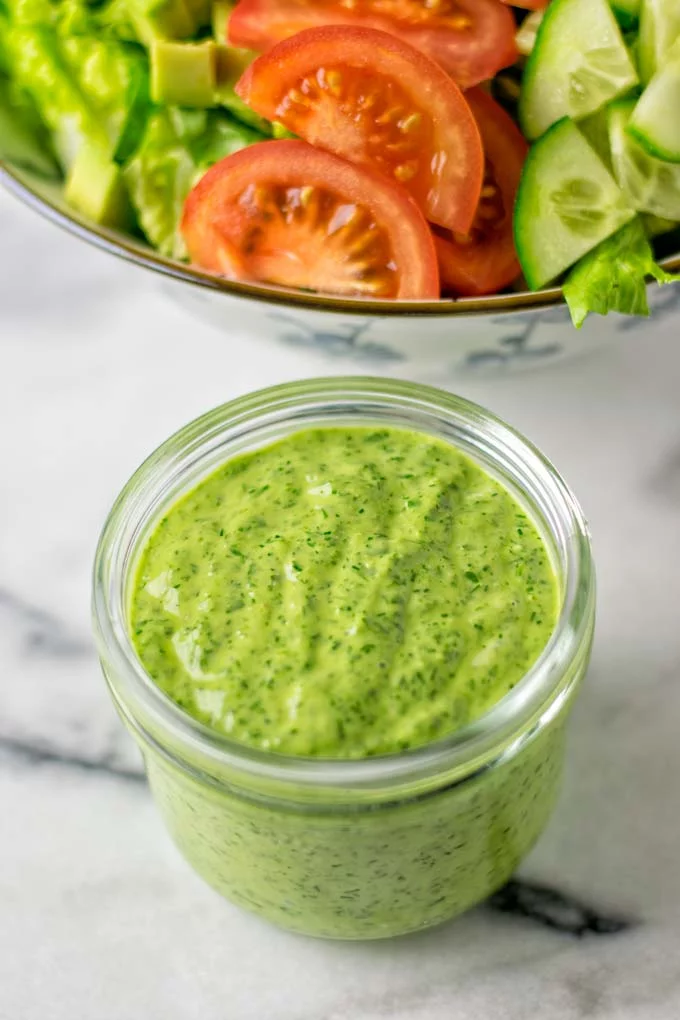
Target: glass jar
[353,848]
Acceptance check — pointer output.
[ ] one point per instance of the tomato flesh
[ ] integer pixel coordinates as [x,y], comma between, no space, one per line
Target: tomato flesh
[285,213]
[483,260]
[471,39]
[378,102]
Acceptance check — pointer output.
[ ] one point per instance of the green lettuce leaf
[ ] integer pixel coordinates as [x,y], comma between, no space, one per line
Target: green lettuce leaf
[107,19]
[24,140]
[613,277]
[178,147]
[114,77]
[39,68]
[88,90]
[231,63]
[4,38]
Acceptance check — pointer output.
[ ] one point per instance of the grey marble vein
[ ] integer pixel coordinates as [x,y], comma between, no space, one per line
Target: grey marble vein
[33,753]
[555,909]
[42,632]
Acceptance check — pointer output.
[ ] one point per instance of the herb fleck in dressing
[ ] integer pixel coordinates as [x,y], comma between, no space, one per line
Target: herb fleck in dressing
[344,592]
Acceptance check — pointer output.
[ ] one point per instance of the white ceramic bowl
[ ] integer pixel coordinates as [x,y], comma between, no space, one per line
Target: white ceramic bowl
[470,335]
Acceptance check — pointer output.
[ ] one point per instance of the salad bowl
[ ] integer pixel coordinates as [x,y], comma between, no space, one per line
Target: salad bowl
[342,148]
[480,336]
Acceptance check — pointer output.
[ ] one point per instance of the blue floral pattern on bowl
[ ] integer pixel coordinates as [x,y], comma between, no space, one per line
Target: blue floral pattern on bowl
[346,340]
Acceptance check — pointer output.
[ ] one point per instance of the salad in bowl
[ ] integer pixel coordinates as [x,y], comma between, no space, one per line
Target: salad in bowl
[397,155]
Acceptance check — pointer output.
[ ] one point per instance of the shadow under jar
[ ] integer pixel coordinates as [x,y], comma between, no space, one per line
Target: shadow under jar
[348,848]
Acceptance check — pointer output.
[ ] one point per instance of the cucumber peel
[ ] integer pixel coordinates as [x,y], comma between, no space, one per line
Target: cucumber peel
[567,204]
[580,63]
[656,118]
[659,29]
[651,185]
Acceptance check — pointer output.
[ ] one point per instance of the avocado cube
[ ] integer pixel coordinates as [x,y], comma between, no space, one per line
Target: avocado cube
[95,187]
[221,12]
[162,19]
[200,11]
[183,74]
[230,63]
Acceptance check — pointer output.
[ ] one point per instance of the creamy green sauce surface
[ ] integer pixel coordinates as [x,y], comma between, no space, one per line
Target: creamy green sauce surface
[344,592]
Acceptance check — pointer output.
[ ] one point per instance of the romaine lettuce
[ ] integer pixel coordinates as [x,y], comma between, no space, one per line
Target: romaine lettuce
[178,146]
[613,277]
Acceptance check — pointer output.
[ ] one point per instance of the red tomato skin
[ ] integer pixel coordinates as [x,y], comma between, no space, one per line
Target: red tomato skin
[488,266]
[450,192]
[212,221]
[469,59]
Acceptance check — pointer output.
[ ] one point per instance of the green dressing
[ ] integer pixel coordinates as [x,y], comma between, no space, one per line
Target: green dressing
[344,592]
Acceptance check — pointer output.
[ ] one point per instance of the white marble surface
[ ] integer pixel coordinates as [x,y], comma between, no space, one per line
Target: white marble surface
[99,917]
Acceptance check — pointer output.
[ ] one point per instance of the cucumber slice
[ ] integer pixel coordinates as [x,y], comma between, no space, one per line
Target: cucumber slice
[596,131]
[655,226]
[650,185]
[567,203]
[659,28]
[579,63]
[656,118]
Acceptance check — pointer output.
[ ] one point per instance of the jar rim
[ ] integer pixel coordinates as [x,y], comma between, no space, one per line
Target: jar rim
[534,700]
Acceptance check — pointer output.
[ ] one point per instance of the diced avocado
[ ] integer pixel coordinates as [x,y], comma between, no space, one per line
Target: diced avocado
[183,74]
[231,63]
[95,187]
[201,11]
[162,19]
[221,12]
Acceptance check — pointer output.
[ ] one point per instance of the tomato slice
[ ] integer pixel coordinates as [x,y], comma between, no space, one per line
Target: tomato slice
[470,39]
[484,260]
[283,212]
[528,5]
[378,102]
